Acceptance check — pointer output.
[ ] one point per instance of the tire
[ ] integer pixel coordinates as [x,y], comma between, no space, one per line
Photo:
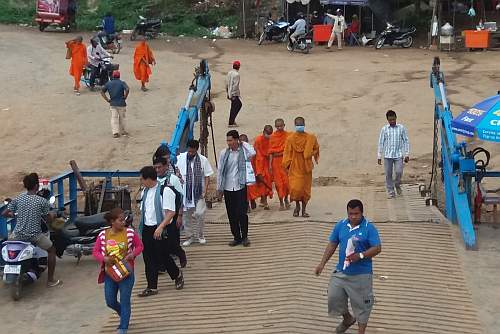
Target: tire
[379,43]
[262,38]
[117,47]
[289,46]
[133,36]
[16,288]
[42,26]
[409,43]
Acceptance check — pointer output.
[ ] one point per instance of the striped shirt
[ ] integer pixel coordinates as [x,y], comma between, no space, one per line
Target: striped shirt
[393,142]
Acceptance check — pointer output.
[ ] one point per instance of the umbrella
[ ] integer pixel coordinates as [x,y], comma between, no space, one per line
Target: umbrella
[482,119]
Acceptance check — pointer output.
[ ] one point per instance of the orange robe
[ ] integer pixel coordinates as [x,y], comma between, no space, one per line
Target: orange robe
[300,149]
[143,56]
[261,146]
[78,60]
[280,176]
[253,191]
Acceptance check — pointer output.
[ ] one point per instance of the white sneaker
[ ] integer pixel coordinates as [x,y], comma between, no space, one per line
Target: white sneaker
[202,241]
[188,242]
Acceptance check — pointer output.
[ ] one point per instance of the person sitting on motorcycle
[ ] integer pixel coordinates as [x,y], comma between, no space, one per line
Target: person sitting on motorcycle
[299,26]
[29,209]
[95,54]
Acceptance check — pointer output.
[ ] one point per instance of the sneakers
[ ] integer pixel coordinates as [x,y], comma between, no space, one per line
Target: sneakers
[202,241]
[188,242]
[399,191]
[179,281]
[391,195]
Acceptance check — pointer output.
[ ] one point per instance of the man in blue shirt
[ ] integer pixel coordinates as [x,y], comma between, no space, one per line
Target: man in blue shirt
[352,278]
[118,92]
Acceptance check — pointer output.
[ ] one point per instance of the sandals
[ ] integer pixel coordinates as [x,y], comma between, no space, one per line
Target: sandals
[54,284]
[343,327]
[148,292]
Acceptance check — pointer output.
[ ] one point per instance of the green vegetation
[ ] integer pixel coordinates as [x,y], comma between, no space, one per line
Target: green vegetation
[179,16]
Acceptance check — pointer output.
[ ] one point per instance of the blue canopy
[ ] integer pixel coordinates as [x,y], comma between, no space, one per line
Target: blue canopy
[482,119]
[345,2]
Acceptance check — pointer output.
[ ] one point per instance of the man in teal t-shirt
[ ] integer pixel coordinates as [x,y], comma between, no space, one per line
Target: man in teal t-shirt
[359,242]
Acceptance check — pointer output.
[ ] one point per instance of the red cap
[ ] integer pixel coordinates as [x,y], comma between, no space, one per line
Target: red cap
[236,64]
[116,74]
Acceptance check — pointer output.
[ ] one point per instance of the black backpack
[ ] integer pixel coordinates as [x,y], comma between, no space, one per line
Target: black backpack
[178,199]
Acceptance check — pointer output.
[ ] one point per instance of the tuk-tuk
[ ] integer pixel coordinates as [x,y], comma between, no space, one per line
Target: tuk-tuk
[55,12]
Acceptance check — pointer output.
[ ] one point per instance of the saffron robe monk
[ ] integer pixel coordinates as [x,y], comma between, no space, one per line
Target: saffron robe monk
[143,57]
[77,52]
[300,149]
[263,176]
[277,143]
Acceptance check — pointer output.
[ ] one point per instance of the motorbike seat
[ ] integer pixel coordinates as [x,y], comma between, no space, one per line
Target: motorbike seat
[153,21]
[90,222]
[405,30]
[82,240]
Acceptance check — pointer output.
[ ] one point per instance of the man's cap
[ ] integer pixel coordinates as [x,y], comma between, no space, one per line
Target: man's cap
[236,63]
[116,74]
[339,10]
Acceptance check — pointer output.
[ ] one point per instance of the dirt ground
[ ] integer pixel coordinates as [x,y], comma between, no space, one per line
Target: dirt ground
[342,95]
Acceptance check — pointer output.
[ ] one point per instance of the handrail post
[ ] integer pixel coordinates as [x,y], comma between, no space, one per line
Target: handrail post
[60,193]
[73,205]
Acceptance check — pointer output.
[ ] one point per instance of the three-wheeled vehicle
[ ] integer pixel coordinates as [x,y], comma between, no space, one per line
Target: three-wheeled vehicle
[55,12]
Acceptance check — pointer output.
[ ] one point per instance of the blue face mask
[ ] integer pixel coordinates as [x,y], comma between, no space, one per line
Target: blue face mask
[299,128]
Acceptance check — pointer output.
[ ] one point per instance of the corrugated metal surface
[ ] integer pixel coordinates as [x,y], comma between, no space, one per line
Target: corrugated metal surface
[269,287]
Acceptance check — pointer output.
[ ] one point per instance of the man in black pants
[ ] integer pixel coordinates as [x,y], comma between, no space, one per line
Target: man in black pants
[157,214]
[233,92]
[231,182]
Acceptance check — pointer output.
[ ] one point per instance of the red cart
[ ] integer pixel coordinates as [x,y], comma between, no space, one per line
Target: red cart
[55,12]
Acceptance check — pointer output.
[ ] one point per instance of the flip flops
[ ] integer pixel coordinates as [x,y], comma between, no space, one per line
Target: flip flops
[54,284]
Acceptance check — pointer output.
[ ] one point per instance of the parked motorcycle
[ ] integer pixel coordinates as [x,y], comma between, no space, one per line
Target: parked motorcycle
[77,237]
[394,35]
[149,28]
[274,31]
[302,42]
[112,42]
[104,72]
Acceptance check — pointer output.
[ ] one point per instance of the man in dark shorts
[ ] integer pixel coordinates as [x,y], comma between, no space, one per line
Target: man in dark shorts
[29,209]
[352,278]
[118,92]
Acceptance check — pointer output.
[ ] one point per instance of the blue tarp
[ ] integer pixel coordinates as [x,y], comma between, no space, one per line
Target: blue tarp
[345,2]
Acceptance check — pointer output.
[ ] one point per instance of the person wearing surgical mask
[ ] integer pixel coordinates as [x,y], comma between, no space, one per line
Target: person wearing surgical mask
[300,150]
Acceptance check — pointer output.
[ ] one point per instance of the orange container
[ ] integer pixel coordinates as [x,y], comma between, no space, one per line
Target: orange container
[477,39]
[321,33]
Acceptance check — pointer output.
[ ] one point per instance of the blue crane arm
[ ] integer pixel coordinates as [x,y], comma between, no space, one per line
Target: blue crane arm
[199,90]
[458,168]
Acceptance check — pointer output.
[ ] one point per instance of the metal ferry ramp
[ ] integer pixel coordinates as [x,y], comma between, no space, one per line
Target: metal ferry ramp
[270,287]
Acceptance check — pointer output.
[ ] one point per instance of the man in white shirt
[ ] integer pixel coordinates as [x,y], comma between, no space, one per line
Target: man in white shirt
[165,177]
[157,215]
[394,146]
[339,26]
[95,53]
[195,171]
[231,182]
[233,92]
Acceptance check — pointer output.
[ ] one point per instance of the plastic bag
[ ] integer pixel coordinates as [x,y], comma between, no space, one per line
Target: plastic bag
[201,207]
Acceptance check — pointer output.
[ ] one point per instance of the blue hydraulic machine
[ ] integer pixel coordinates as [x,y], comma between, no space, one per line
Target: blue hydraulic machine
[458,165]
[198,107]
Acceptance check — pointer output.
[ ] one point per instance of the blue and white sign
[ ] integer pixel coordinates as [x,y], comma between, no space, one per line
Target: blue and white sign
[483,120]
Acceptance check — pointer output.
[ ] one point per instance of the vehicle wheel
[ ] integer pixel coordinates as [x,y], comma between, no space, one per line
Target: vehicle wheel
[262,38]
[16,288]
[380,43]
[116,47]
[289,47]
[133,36]
[409,42]
[42,26]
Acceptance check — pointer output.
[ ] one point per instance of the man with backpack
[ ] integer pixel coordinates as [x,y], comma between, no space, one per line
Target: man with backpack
[158,222]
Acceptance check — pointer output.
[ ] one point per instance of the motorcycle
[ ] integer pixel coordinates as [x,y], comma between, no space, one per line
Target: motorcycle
[394,35]
[274,31]
[302,42]
[24,262]
[104,72]
[77,237]
[112,42]
[149,28]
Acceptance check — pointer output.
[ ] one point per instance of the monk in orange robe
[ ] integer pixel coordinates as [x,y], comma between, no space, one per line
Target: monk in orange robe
[143,57]
[77,51]
[300,149]
[263,176]
[279,174]
[252,190]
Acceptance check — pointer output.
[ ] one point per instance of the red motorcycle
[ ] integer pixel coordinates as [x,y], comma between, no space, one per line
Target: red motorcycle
[55,12]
